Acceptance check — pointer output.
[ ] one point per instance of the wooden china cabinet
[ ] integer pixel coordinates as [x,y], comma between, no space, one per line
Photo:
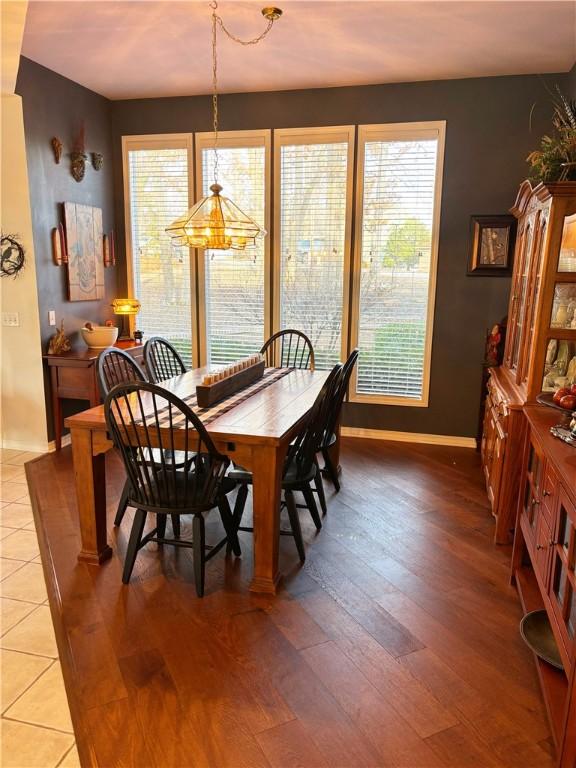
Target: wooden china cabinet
[541,337]
[544,561]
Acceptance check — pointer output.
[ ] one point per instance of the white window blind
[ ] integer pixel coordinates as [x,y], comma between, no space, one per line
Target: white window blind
[313,202]
[158,189]
[234,280]
[397,222]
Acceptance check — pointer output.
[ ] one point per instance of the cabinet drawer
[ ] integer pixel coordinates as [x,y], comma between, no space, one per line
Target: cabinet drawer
[75,382]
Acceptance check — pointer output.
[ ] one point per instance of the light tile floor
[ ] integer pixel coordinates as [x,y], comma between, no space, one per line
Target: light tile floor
[36,729]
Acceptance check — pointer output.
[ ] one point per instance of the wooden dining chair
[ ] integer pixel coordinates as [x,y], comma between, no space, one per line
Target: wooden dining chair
[333,417]
[114,366]
[288,349]
[142,418]
[162,360]
[300,467]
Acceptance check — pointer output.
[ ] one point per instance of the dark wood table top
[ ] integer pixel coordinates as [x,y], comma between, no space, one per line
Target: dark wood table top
[268,416]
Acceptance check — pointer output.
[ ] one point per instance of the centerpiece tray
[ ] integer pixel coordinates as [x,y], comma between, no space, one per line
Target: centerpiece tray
[209,394]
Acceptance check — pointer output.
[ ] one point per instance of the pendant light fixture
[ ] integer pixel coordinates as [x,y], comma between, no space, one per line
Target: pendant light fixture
[215,222]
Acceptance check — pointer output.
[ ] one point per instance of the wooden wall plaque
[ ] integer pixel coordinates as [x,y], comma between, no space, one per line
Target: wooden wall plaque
[85,257]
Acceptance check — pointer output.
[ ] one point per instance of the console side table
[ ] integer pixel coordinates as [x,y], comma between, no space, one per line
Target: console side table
[73,377]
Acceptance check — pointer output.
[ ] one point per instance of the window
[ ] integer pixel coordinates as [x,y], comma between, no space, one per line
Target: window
[219,306]
[234,295]
[157,184]
[313,183]
[399,174]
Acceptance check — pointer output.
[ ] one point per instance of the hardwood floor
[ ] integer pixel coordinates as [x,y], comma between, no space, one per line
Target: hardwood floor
[396,644]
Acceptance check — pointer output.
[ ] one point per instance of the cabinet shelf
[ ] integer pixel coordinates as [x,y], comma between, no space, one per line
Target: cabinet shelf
[553,682]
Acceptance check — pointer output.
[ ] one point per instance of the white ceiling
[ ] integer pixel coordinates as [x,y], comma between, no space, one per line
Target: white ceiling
[135,49]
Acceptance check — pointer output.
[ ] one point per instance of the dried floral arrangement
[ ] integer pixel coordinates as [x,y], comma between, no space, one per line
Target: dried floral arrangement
[556,158]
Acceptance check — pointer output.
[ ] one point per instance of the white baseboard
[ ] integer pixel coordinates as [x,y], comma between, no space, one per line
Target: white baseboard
[409,437]
[66,440]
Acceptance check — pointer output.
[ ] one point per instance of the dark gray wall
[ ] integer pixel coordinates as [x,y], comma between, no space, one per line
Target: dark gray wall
[55,106]
[487,140]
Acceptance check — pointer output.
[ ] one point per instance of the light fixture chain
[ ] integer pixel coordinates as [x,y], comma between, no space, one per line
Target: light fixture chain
[218,20]
[245,42]
[214,5]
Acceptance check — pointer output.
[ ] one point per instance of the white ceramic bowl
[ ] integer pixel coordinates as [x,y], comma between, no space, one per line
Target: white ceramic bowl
[100,337]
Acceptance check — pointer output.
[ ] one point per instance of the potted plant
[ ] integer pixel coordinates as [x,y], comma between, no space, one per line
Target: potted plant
[556,158]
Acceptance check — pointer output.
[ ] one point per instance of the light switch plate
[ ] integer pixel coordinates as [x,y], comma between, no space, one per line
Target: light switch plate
[51,317]
[10,319]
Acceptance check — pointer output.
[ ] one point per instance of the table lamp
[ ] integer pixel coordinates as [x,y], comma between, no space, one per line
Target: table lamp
[125,308]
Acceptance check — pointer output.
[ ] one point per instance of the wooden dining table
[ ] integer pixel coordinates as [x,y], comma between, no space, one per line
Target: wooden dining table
[255,434]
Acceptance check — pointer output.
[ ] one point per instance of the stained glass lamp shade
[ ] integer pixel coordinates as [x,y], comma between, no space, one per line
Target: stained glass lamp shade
[215,222]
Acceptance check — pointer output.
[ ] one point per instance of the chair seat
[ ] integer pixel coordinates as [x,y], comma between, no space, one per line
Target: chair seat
[179,504]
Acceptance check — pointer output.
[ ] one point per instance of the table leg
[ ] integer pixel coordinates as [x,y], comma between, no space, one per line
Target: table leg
[56,408]
[90,476]
[267,464]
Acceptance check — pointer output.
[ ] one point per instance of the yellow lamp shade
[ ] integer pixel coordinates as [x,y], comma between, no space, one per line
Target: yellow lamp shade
[126,306]
[215,222]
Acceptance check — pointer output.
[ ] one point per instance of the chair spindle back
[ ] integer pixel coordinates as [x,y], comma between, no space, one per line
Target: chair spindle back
[187,471]
[289,349]
[114,367]
[162,360]
[304,449]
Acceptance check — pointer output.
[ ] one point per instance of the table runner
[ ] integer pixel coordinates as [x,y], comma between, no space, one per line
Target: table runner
[207,415]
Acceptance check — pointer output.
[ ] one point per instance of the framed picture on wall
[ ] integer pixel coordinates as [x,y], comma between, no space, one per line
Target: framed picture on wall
[492,245]
[85,252]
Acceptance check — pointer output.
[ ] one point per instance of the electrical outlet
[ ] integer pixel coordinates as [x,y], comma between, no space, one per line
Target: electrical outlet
[10,319]
[51,317]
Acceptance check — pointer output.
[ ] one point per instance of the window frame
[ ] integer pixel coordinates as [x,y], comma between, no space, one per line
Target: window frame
[233,140]
[273,140]
[159,141]
[322,135]
[435,129]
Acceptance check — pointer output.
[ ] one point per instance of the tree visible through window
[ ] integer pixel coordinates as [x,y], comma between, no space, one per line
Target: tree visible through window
[395,259]
[158,184]
[303,279]
[234,280]
[313,207]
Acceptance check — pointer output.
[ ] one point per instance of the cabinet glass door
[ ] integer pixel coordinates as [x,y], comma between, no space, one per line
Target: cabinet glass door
[559,365]
[567,258]
[531,498]
[520,293]
[563,582]
[533,294]
[564,306]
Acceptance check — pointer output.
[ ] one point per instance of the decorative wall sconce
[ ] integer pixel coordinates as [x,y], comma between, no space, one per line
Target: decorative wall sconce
[57,149]
[97,160]
[59,248]
[109,250]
